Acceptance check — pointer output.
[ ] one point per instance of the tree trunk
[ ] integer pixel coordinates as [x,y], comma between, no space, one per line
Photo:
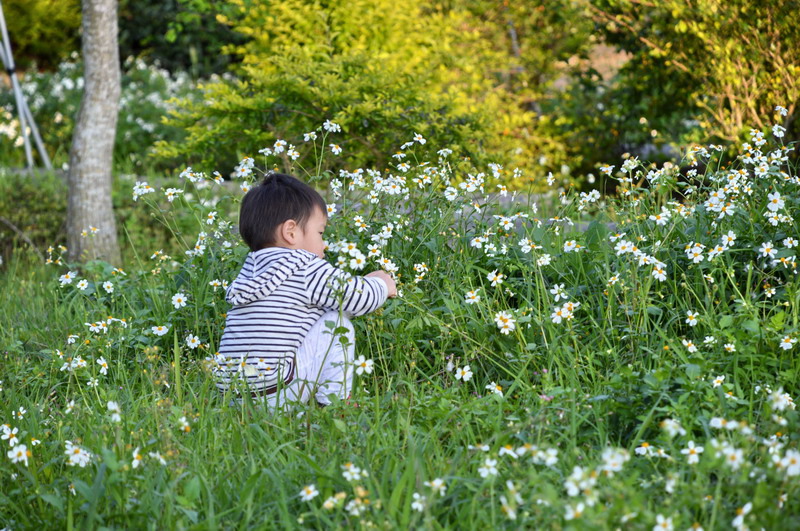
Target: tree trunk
[91,156]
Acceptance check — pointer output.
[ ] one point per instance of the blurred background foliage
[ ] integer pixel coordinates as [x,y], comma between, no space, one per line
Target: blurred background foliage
[557,85]
[43,32]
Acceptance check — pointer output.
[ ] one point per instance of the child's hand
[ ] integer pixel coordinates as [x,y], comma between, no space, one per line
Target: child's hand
[387,279]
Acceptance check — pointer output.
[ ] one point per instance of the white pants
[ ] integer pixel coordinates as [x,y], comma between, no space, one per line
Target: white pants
[324,365]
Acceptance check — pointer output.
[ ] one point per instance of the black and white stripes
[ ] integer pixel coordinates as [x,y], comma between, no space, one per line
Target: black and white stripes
[277,297]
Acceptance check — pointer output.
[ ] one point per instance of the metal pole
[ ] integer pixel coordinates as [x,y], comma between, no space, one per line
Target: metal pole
[36,137]
[23,111]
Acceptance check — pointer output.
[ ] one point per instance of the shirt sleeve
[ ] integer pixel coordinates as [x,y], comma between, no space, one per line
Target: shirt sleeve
[331,288]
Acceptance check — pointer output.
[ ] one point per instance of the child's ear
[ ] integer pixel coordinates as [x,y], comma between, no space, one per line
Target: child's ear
[289,231]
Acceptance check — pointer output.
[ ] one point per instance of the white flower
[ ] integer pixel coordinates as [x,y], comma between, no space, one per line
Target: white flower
[185,427]
[278,147]
[172,193]
[141,188]
[607,169]
[489,468]
[780,400]
[574,512]
[767,250]
[623,247]
[558,315]
[437,485]
[137,458]
[352,472]
[507,450]
[741,512]
[19,454]
[83,284]
[103,365]
[734,457]
[108,286]
[791,463]
[464,373]
[76,455]
[691,318]
[67,278]
[505,322]
[495,278]
[495,388]
[331,208]
[471,297]
[558,292]
[775,201]
[308,493]
[10,435]
[335,148]
[663,523]
[363,365]
[419,502]
[179,300]
[115,410]
[613,460]
[160,330]
[307,137]
[192,341]
[788,342]
[331,127]
[692,452]
[728,239]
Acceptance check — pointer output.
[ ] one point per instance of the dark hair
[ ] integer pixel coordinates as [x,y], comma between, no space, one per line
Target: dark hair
[278,198]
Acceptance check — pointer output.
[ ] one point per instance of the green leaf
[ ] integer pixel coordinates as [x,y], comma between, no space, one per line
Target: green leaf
[191,490]
[777,320]
[340,425]
[726,321]
[596,235]
[752,326]
[692,370]
[54,500]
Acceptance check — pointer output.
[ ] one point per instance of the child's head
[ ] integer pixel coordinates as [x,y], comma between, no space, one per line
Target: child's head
[283,211]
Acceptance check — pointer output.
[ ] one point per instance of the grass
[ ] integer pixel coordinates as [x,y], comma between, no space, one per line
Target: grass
[596,415]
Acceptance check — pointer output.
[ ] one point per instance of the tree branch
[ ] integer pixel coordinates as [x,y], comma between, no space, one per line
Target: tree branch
[22,235]
[610,18]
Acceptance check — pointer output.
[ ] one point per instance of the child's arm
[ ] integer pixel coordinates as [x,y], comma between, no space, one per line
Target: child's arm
[332,289]
[390,284]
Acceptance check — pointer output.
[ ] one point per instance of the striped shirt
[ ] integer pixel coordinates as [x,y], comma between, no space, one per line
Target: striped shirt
[277,297]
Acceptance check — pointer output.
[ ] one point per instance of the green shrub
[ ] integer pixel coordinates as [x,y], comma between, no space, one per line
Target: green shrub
[36,205]
[42,32]
[626,331]
[54,99]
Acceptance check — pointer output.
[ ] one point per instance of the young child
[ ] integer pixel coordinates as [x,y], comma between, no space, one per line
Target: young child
[277,340]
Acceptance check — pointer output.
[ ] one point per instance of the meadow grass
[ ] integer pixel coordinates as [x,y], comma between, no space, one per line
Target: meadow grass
[621,335]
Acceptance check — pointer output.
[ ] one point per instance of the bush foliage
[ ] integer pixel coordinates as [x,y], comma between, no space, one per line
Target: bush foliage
[610,361]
